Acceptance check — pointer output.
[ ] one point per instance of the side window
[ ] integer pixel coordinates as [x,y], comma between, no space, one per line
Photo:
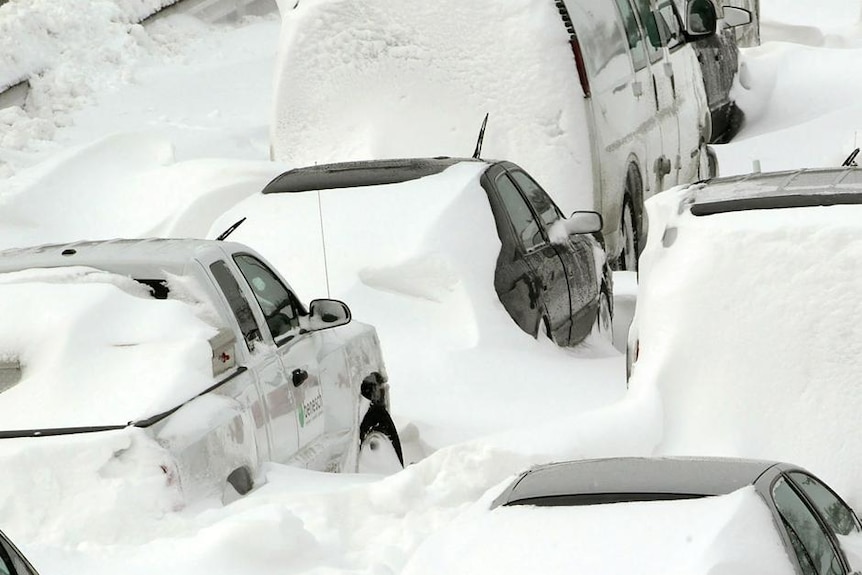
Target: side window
[832,509]
[278,304]
[670,26]
[633,33]
[811,545]
[519,213]
[538,198]
[237,302]
[651,25]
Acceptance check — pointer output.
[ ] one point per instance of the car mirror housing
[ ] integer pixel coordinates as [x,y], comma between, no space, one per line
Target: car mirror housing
[701,19]
[584,223]
[734,16]
[327,313]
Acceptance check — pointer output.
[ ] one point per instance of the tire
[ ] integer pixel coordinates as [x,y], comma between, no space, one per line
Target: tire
[604,316]
[628,260]
[376,428]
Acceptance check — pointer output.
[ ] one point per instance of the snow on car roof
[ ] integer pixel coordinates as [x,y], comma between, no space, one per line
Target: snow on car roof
[670,476]
[797,188]
[94,350]
[731,533]
[359,174]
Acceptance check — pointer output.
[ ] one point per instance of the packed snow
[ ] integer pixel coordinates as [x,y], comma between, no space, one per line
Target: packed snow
[161,129]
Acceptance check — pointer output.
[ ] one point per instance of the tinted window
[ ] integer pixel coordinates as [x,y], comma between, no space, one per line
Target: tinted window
[832,509]
[237,302]
[633,34]
[810,543]
[278,304]
[519,213]
[542,204]
[669,25]
[651,26]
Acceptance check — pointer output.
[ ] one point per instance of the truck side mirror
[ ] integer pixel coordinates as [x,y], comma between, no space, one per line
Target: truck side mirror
[734,16]
[326,313]
[701,19]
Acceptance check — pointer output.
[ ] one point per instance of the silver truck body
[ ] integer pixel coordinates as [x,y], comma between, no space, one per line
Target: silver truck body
[297,396]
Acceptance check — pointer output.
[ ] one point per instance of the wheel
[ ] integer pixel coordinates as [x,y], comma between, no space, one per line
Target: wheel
[379,445]
[628,259]
[604,316]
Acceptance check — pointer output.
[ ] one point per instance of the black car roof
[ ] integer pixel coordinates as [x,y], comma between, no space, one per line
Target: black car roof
[797,188]
[358,174]
[630,478]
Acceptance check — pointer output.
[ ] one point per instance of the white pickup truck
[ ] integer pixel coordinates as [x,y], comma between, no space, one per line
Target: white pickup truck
[297,385]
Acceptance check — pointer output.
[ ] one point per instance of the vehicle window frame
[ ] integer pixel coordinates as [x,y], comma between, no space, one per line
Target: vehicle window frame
[792,532]
[633,34]
[557,213]
[655,52]
[540,232]
[295,326]
[249,336]
[822,513]
[680,37]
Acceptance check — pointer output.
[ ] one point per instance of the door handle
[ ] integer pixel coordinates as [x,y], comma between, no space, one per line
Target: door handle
[298,376]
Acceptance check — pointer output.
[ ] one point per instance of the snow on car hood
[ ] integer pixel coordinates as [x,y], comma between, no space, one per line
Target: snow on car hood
[714,535]
[96,349]
[749,324]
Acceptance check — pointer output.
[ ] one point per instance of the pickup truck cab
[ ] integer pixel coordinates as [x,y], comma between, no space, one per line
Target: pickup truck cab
[293,384]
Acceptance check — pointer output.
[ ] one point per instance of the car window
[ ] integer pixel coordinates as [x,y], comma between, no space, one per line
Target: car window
[633,34]
[810,543]
[538,199]
[237,302]
[519,213]
[277,302]
[651,25]
[669,25]
[832,509]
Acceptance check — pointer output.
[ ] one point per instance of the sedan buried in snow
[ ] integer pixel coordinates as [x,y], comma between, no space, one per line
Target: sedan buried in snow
[551,272]
[653,515]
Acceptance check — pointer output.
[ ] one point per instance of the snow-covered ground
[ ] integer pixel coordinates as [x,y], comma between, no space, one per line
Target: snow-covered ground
[161,129]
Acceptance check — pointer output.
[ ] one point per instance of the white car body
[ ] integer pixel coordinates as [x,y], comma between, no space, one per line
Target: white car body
[296,397]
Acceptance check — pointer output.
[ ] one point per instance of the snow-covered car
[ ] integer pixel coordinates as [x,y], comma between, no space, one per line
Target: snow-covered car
[194,361]
[12,561]
[606,97]
[747,319]
[551,272]
[653,515]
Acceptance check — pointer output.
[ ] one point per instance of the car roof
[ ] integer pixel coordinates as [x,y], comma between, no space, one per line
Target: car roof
[796,188]
[610,480]
[151,258]
[358,174]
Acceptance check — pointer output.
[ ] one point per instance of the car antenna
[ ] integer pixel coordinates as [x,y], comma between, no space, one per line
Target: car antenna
[223,236]
[851,159]
[481,138]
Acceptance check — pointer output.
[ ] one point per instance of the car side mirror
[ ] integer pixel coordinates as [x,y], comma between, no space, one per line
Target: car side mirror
[584,223]
[327,313]
[701,19]
[734,16]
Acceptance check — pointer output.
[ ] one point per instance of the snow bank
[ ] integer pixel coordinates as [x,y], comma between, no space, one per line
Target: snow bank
[749,370]
[96,349]
[727,534]
[394,78]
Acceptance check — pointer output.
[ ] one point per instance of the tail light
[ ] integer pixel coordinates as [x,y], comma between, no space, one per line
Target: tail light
[579,63]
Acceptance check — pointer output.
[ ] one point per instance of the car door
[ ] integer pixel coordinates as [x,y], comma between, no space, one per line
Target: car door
[665,169]
[530,278]
[576,254]
[264,364]
[295,403]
